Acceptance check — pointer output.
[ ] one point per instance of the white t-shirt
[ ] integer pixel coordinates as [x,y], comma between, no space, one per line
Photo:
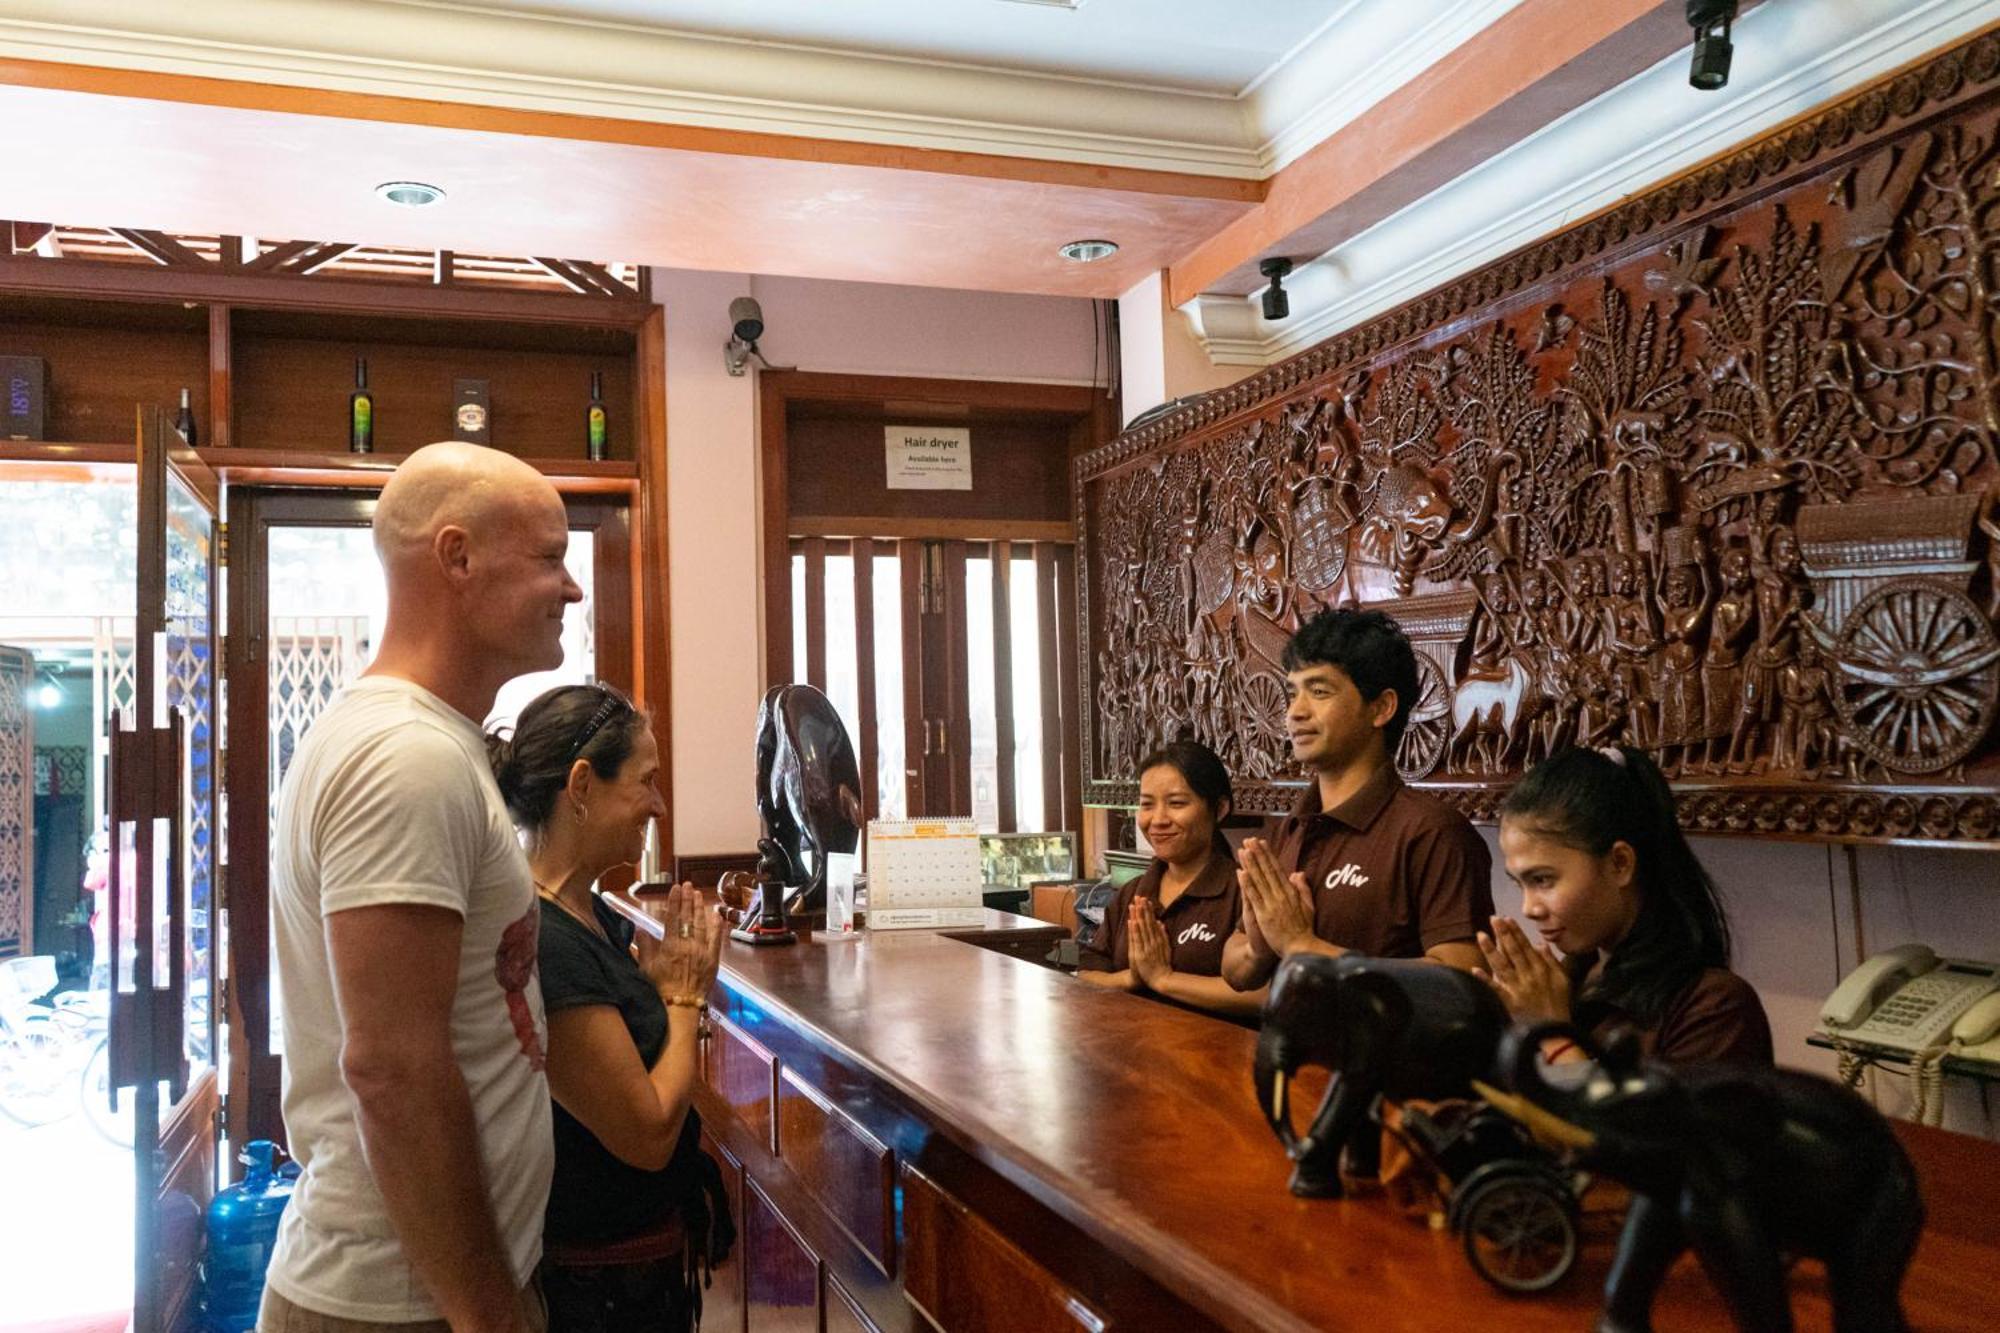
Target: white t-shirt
[390,800]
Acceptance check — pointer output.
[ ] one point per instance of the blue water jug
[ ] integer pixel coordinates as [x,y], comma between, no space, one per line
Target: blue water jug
[242,1231]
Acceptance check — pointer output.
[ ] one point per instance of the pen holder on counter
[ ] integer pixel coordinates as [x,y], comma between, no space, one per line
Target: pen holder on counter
[764,921]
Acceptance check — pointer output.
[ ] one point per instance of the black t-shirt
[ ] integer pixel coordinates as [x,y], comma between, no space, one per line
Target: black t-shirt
[595,1197]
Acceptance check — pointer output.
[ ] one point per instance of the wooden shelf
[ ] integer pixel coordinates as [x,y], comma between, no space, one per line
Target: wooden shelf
[301,467]
[386,332]
[56,460]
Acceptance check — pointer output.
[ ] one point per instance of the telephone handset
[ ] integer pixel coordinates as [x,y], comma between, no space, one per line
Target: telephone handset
[1908,999]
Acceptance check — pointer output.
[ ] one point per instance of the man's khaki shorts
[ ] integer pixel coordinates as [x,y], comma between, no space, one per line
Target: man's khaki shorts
[278,1315]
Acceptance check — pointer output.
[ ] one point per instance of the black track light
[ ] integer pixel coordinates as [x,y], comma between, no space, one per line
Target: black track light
[1276,304]
[1710,20]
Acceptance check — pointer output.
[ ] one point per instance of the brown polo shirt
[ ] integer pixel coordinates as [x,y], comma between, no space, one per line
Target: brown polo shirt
[1716,1018]
[1394,871]
[1197,923]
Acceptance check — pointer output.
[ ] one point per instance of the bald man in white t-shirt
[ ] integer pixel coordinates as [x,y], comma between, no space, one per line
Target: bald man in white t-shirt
[405,922]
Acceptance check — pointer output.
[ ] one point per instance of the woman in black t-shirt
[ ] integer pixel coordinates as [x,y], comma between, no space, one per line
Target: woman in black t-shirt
[636,1211]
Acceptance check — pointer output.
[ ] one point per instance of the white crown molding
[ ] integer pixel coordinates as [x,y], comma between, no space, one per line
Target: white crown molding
[1790,59]
[463,54]
[1363,54]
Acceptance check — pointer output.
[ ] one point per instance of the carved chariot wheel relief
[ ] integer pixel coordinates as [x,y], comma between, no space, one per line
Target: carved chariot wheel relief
[1919,676]
[1429,726]
[1267,746]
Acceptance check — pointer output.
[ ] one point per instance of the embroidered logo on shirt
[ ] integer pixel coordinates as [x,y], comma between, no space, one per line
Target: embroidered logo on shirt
[1347,876]
[1196,931]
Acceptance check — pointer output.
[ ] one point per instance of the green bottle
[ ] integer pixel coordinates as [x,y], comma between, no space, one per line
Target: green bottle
[361,411]
[597,426]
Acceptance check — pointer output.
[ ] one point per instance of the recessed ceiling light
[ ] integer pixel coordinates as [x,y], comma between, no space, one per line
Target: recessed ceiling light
[1088,252]
[410,194]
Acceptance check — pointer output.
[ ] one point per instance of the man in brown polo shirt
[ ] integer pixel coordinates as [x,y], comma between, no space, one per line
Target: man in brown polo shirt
[1362,862]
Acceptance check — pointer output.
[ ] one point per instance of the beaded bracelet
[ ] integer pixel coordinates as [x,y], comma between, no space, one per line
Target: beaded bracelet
[697,1003]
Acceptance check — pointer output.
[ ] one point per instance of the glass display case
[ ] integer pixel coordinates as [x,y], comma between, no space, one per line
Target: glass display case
[1016,862]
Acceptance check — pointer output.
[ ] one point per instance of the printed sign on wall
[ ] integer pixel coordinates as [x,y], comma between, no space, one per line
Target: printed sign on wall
[929,458]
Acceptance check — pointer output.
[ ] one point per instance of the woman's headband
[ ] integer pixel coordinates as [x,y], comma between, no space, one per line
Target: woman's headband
[605,712]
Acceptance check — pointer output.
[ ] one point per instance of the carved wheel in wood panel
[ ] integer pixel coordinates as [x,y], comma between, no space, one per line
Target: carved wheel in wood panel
[1264,707]
[1429,725]
[1920,675]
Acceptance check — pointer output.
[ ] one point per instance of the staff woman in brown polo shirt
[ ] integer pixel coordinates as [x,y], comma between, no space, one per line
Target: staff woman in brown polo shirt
[1609,881]
[1165,930]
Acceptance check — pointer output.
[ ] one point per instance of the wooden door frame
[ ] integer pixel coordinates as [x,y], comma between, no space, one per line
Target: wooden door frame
[173,1145]
[1092,421]
[253,1096]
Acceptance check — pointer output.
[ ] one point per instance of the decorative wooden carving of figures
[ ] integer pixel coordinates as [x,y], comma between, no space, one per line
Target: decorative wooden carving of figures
[1732,629]
[1805,737]
[1685,596]
[1718,472]
[1782,596]
[1631,631]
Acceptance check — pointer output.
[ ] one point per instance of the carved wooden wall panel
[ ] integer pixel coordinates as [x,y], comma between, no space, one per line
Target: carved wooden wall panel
[1714,474]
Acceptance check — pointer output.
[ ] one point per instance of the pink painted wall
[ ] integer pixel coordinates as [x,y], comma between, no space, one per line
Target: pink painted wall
[712,477]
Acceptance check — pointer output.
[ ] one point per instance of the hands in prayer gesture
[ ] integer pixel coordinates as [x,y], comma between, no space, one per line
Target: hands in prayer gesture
[1277,911]
[1529,977]
[1146,944]
[683,965]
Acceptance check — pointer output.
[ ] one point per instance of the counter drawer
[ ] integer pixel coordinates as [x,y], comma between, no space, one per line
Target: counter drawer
[744,1075]
[848,1170]
[966,1277]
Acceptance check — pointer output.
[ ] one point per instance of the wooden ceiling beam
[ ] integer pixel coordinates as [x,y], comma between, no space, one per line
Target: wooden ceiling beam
[319,256]
[28,235]
[278,256]
[161,247]
[284,290]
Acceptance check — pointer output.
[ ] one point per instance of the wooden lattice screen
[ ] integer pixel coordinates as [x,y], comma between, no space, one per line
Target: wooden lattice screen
[17,800]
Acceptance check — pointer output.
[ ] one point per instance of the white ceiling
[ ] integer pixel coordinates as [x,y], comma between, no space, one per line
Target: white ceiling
[1218,47]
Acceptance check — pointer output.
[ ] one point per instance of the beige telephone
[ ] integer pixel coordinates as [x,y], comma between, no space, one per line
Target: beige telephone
[1907,1000]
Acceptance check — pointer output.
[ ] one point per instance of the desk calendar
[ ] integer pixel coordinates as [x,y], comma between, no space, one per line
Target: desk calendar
[923,872]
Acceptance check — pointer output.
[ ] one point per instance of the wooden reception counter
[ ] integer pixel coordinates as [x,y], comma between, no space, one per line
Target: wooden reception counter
[915,1127]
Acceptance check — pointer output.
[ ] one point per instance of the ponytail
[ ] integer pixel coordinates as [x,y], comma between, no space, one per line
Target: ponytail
[1592,799]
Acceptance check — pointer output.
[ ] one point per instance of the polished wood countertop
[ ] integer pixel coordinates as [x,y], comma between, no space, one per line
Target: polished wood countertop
[1135,1123]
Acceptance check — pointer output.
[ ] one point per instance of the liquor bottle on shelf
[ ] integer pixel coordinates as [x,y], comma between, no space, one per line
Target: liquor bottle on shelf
[184,421]
[597,426]
[361,411]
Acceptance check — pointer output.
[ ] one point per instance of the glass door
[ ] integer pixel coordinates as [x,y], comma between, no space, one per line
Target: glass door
[68,544]
[952,665]
[307,601]
[162,874]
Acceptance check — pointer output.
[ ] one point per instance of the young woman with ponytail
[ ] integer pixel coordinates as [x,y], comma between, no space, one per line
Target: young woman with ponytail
[1632,931]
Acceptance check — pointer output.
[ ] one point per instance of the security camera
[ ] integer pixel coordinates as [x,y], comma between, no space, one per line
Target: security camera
[1711,20]
[746,326]
[1276,304]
